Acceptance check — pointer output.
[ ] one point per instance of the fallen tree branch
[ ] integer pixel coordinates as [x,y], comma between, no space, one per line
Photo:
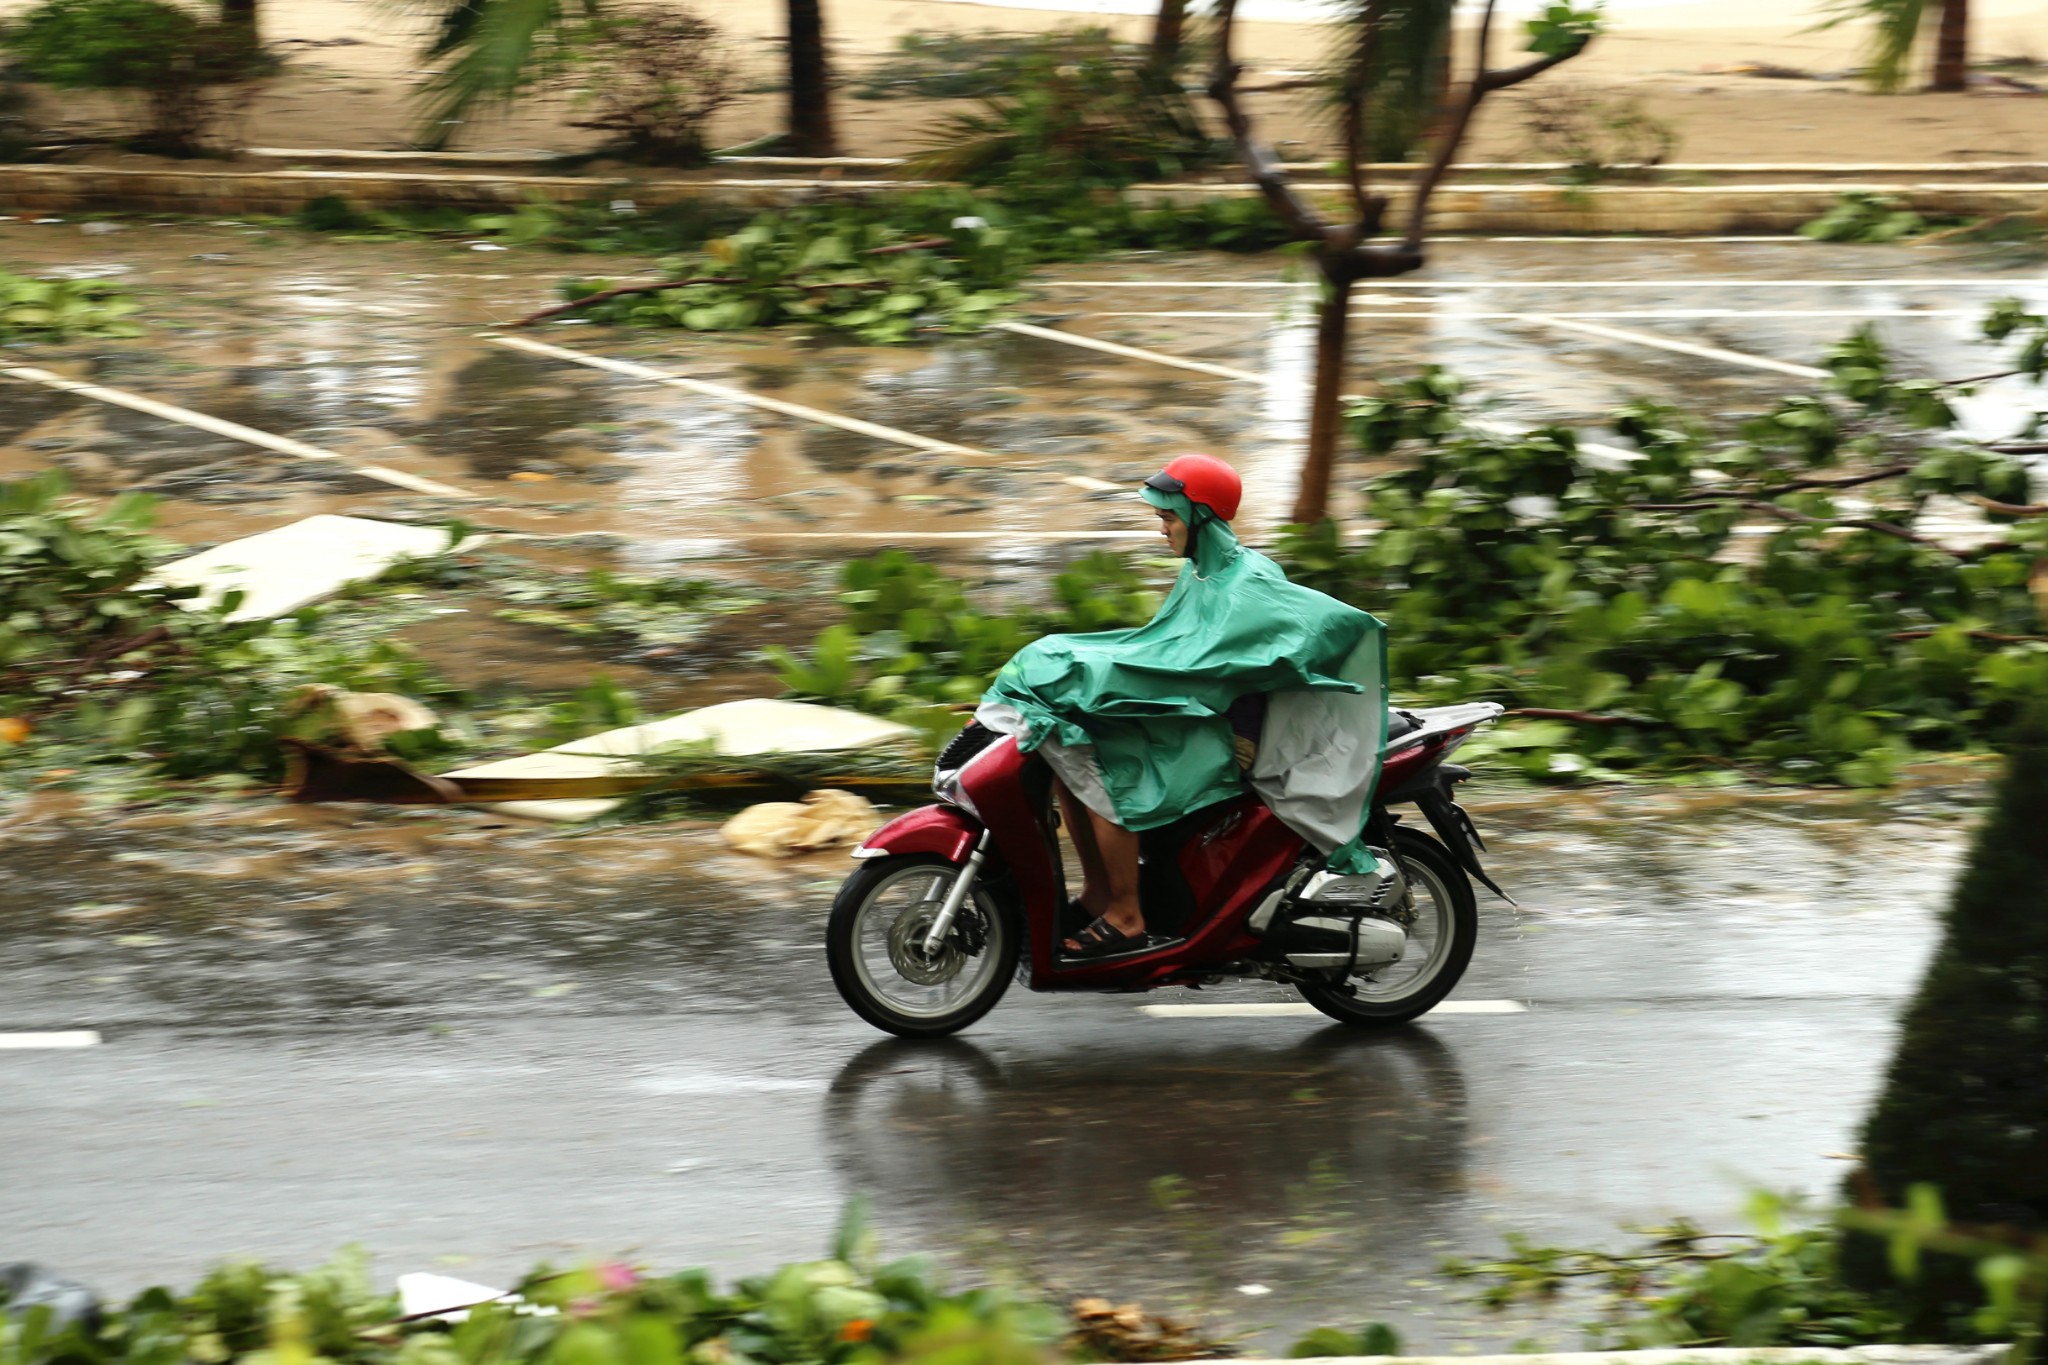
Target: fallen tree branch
[658,286]
[921,244]
[1786,514]
[1711,497]
[2009,509]
[1580,717]
[619,292]
[1988,635]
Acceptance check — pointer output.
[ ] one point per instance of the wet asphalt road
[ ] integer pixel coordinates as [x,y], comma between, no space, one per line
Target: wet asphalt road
[470,1047]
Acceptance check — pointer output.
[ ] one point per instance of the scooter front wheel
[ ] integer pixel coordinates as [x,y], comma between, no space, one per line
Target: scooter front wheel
[874,944]
[1440,941]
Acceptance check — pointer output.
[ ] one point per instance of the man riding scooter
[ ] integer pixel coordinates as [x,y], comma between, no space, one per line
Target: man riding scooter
[1137,724]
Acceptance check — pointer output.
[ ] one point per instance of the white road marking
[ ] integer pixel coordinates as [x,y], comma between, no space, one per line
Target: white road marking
[67,1038]
[894,537]
[1486,424]
[796,410]
[283,445]
[1755,362]
[1615,314]
[1720,284]
[1278,1010]
[1128,352]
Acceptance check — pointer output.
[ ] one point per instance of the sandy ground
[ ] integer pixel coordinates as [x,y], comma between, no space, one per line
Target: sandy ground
[352,66]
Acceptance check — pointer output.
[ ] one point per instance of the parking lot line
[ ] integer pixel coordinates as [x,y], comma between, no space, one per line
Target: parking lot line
[1128,352]
[754,400]
[283,445]
[1754,362]
[1290,1009]
[1487,424]
[1613,314]
[1374,286]
[66,1038]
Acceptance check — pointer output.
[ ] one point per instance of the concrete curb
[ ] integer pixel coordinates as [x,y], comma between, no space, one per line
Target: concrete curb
[1713,1355]
[1524,208]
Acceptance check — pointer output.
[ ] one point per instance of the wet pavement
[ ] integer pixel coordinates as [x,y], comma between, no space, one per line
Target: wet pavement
[473,1045]
[391,353]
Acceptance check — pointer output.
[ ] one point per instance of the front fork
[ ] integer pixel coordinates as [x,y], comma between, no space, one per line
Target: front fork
[963,887]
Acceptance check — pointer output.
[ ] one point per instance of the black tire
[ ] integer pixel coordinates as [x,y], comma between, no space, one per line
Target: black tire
[1427,863]
[992,963]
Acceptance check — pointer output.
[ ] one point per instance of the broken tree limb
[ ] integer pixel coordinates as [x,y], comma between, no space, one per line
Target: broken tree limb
[662,286]
[1989,636]
[619,292]
[2010,509]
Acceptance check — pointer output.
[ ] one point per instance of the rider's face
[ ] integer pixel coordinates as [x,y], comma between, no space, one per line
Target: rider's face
[1175,530]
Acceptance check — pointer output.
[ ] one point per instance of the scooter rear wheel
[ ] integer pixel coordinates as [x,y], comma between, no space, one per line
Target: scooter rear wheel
[874,946]
[1453,921]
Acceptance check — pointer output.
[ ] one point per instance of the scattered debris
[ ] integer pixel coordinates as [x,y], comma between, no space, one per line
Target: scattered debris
[362,721]
[25,1285]
[629,758]
[823,819]
[1103,1331]
[280,570]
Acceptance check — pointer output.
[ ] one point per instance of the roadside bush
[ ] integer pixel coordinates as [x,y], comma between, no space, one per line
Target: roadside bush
[93,656]
[186,72]
[847,1309]
[1594,135]
[54,310]
[938,64]
[1075,109]
[914,640]
[652,78]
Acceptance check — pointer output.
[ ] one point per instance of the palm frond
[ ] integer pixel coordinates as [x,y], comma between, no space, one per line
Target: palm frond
[497,46]
[1402,80]
[1895,27]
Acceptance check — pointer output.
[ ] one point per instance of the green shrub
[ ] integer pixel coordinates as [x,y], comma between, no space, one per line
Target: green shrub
[652,77]
[847,1309]
[94,657]
[182,67]
[54,310]
[914,640]
[1073,109]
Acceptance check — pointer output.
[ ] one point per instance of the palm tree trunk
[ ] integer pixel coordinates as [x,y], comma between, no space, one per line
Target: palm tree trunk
[810,82]
[1952,47]
[1325,412]
[1166,33]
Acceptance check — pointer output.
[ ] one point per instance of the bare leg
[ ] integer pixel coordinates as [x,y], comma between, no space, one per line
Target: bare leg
[1119,854]
[1081,829]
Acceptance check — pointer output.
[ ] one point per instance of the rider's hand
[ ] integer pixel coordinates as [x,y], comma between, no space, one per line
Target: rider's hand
[1246,752]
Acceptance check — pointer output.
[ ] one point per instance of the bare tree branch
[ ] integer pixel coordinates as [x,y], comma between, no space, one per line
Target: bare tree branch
[1515,75]
[1291,209]
[1454,136]
[1353,106]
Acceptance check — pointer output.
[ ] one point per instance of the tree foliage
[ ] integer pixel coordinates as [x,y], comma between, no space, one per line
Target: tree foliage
[176,61]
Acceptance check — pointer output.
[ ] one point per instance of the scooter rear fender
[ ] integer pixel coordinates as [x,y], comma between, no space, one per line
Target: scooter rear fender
[945,830]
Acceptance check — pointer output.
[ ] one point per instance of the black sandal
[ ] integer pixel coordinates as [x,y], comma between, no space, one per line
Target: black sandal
[1100,938]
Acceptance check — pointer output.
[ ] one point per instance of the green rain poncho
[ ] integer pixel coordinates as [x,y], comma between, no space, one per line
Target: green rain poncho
[1133,720]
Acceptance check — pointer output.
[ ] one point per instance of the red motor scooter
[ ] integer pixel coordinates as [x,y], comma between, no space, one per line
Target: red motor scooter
[952,900]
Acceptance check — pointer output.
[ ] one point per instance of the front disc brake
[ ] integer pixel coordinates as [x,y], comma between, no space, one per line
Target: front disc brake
[912,963]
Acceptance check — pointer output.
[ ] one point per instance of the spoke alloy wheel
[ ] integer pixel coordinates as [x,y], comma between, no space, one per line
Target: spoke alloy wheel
[1430,933]
[888,941]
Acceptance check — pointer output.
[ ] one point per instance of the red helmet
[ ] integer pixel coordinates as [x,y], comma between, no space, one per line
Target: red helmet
[1204,479]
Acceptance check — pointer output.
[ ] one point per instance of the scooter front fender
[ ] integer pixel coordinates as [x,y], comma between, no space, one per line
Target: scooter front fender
[945,830]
